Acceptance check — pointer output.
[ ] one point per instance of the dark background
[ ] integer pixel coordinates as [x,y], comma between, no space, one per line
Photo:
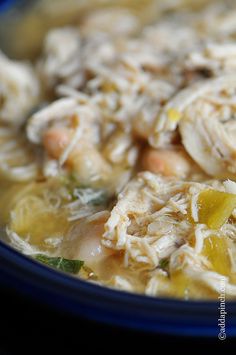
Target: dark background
[28,327]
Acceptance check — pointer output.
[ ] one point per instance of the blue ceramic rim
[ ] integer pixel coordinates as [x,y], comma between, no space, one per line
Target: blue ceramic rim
[6,5]
[78,297]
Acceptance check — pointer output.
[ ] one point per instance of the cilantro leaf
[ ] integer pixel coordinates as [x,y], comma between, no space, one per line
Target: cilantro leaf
[66,265]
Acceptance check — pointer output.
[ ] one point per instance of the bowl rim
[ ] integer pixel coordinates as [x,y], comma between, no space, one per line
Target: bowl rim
[110,306]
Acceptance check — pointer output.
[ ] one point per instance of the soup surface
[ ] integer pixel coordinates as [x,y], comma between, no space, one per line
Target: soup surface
[118,153]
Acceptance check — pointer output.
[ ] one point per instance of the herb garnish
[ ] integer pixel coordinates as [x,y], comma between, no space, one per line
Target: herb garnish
[66,265]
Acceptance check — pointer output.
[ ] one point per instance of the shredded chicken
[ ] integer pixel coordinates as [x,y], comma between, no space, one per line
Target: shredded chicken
[128,137]
[19,91]
[149,219]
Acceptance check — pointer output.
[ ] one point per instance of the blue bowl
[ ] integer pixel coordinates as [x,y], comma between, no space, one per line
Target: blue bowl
[7,4]
[80,298]
[73,296]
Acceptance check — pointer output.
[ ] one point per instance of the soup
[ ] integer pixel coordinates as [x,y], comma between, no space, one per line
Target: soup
[118,155]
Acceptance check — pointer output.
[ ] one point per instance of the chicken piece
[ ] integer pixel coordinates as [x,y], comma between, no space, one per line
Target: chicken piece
[149,220]
[18,160]
[83,119]
[19,91]
[207,109]
[61,59]
[69,132]
[215,59]
[115,21]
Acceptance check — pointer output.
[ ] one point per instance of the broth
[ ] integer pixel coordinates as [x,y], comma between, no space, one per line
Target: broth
[117,154]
